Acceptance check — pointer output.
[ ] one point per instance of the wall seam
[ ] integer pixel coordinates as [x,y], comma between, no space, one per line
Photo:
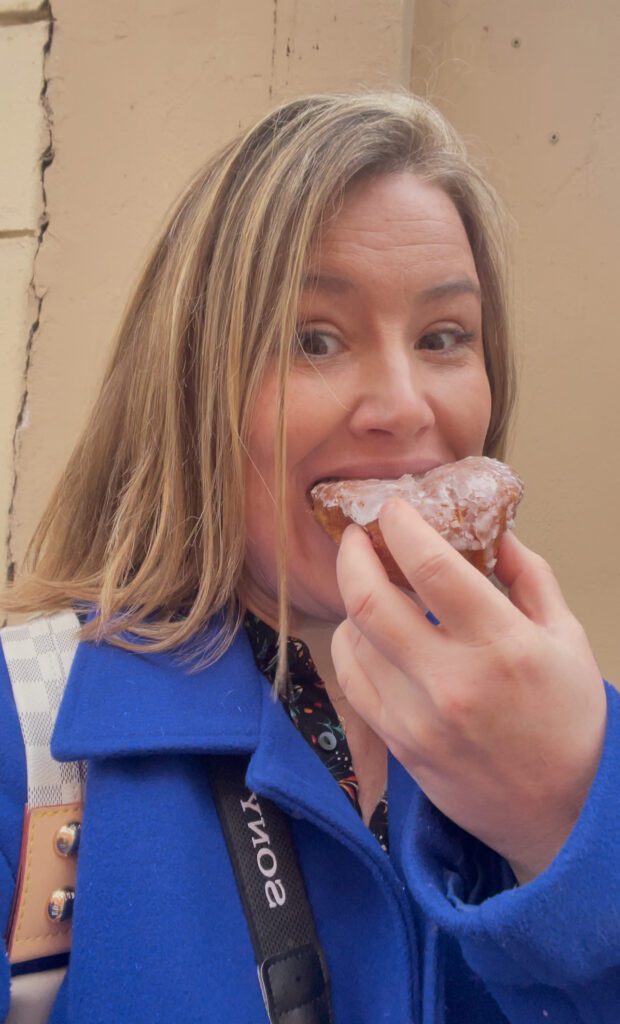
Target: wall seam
[274,44]
[407,35]
[36,294]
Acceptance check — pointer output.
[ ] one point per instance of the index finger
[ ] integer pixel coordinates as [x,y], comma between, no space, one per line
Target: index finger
[380,611]
[465,603]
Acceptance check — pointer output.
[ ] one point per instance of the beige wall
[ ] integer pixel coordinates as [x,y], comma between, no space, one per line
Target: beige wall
[141,92]
[535,89]
[25,135]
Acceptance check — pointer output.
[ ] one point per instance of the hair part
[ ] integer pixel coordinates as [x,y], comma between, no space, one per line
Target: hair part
[146,523]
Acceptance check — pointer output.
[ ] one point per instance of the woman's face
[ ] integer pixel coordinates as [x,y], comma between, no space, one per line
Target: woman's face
[389,376]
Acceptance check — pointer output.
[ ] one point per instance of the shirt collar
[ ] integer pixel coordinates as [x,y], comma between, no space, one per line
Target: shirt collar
[265,644]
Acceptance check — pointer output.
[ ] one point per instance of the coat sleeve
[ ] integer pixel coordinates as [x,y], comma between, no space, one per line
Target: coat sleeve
[549,950]
[12,801]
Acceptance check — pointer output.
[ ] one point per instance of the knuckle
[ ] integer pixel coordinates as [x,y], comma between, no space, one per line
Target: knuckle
[344,679]
[455,706]
[354,636]
[516,661]
[515,657]
[430,568]
[542,565]
[339,657]
[424,747]
[577,631]
[363,607]
[545,576]
[387,727]
[338,642]
[345,655]
[402,751]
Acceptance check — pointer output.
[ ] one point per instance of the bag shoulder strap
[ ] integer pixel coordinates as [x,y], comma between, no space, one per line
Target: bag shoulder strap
[39,654]
[292,970]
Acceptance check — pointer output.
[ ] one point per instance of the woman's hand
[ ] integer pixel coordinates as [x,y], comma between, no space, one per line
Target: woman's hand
[499,712]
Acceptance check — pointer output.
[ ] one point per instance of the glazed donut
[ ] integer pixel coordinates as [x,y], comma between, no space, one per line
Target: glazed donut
[470,503]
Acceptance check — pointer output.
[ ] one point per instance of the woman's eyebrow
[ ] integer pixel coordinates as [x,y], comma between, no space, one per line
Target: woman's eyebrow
[337,285]
[460,286]
[328,283]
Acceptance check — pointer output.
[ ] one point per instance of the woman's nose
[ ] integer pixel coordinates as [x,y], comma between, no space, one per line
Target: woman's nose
[392,397]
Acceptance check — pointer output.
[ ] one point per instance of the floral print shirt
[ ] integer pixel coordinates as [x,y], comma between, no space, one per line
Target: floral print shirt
[313,713]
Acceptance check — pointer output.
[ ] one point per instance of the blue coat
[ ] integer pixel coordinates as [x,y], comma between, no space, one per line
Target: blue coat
[436,932]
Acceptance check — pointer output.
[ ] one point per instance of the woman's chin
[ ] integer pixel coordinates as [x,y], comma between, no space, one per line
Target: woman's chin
[321,601]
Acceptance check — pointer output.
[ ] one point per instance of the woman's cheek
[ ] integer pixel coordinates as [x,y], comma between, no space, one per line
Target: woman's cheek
[466,413]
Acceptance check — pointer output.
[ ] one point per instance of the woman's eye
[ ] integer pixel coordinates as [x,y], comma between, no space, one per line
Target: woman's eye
[318,343]
[443,341]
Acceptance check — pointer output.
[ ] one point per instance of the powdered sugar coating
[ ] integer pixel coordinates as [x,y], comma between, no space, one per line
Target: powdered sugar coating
[468,502]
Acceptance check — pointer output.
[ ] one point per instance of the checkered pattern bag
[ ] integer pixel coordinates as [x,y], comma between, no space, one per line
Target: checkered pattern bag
[38,656]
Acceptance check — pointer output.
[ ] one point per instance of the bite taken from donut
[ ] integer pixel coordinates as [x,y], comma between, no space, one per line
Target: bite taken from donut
[471,503]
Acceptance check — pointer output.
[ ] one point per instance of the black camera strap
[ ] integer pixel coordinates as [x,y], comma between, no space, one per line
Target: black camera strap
[292,970]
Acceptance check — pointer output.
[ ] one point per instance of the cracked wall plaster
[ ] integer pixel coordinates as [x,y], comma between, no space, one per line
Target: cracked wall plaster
[24,128]
[141,95]
[22,125]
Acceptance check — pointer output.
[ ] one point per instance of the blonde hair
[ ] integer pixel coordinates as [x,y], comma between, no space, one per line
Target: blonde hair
[146,523]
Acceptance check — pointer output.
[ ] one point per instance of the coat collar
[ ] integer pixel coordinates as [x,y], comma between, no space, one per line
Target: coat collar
[119,702]
[286,769]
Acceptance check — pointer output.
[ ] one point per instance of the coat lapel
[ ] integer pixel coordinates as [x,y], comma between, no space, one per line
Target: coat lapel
[120,702]
[285,769]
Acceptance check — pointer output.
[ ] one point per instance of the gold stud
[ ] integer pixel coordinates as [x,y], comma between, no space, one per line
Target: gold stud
[60,905]
[67,839]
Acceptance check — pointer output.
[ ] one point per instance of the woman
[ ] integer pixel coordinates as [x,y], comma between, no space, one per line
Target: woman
[327,300]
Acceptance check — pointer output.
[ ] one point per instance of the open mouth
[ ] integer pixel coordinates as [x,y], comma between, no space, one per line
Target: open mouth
[336,480]
[322,480]
[347,479]
[415,467]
